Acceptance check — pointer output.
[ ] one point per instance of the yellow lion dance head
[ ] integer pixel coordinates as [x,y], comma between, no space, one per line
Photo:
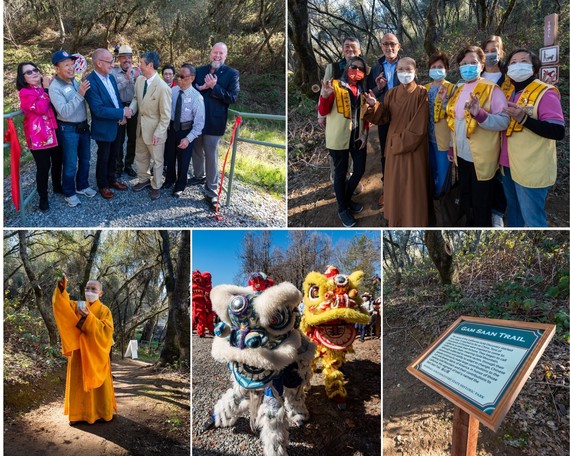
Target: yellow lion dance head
[332,307]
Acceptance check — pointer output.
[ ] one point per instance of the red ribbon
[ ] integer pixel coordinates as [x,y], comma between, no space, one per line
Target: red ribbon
[11,136]
[237,123]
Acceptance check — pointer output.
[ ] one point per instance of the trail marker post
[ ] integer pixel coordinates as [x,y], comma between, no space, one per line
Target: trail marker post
[481,365]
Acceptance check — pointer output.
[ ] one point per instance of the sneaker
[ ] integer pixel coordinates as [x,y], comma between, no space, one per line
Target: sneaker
[347,219]
[72,201]
[497,221]
[88,192]
[141,186]
[355,207]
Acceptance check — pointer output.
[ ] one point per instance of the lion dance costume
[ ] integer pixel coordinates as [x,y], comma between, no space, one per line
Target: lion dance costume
[269,359]
[202,314]
[332,308]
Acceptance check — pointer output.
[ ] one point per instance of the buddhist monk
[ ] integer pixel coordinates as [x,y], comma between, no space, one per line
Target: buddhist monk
[406,109]
[86,330]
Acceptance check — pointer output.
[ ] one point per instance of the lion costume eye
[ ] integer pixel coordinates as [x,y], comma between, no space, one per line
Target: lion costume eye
[239,305]
[341,280]
[280,319]
[314,292]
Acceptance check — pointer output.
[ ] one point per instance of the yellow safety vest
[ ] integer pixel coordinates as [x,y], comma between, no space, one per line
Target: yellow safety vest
[339,120]
[441,129]
[532,158]
[485,145]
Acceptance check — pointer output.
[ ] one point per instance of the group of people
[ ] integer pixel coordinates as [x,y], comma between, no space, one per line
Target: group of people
[166,123]
[498,124]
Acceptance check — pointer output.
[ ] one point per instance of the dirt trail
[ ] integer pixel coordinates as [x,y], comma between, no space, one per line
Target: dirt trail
[154,417]
[311,196]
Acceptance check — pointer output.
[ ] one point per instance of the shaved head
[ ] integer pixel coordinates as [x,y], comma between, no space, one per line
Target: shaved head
[94,285]
[408,60]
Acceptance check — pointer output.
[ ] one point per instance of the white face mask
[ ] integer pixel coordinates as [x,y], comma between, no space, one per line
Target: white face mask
[91,297]
[406,78]
[519,72]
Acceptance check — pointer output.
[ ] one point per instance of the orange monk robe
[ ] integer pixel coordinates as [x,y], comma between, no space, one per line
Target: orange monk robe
[406,188]
[89,393]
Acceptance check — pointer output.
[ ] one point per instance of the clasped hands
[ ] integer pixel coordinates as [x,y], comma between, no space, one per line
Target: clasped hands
[210,82]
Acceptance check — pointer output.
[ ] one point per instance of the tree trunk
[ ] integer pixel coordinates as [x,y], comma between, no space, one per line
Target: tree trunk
[42,304]
[307,71]
[148,330]
[439,252]
[181,300]
[90,260]
[430,37]
[170,352]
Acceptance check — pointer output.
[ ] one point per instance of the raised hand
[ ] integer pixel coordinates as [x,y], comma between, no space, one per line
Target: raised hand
[62,282]
[83,87]
[381,82]
[369,98]
[442,93]
[327,89]
[515,111]
[472,105]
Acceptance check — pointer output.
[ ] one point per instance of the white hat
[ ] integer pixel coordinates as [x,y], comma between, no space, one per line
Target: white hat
[125,50]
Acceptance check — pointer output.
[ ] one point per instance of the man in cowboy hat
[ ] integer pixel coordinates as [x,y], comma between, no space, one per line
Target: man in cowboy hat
[126,75]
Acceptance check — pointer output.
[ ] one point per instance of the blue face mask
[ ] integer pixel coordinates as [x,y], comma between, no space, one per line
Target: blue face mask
[437,74]
[469,72]
[491,59]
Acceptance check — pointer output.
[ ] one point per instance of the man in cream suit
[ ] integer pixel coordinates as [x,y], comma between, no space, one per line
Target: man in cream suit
[153,102]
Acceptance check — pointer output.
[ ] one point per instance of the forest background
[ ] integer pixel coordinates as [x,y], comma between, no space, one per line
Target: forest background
[181,32]
[433,277]
[317,29]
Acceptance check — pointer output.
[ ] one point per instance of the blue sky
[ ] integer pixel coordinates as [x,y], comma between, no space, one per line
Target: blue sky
[217,251]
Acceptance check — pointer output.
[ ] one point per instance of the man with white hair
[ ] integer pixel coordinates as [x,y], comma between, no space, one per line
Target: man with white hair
[219,85]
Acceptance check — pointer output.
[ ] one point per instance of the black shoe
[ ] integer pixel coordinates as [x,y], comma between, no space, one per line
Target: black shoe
[58,190]
[347,219]
[177,194]
[44,203]
[130,172]
[355,207]
[196,181]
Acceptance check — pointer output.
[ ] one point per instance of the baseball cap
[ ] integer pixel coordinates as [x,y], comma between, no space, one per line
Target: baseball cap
[60,56]
[125,50]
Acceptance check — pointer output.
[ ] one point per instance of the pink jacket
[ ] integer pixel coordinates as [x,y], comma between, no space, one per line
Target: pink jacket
[39,119]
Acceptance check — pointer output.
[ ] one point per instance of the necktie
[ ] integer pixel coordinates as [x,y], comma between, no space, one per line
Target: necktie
[178,112]
[145,87]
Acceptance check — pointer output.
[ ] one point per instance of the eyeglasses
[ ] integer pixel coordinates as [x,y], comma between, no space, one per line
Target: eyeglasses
[30,72]
[356,67]
[179,76]
[109,62]
[390,44]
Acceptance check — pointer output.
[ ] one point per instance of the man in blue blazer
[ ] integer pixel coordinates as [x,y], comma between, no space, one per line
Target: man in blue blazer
[107,113]
[219,85]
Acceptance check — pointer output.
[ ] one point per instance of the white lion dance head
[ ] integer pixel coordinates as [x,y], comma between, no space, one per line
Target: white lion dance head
[269,358]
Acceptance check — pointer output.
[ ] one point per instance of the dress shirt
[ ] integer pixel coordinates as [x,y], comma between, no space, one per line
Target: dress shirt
[192,110]
[106,80]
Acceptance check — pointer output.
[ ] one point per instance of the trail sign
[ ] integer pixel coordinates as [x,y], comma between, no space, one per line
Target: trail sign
[132,349]
[481,364]
[550,29]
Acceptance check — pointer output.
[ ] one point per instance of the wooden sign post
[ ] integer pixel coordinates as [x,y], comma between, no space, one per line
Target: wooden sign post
[480,365]
[549,70]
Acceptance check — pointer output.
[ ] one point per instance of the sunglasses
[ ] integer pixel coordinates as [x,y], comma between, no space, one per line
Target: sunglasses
[356,67]
[30,72]
[179,76]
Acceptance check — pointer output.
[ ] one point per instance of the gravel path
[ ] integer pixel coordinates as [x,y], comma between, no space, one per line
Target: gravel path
[329,431]
[249,207]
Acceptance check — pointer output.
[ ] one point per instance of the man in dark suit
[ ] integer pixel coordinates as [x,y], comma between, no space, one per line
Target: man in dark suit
[382,78]
[219,85]
[107,114]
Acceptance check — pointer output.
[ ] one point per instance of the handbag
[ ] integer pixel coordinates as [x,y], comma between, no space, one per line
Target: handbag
[448,209]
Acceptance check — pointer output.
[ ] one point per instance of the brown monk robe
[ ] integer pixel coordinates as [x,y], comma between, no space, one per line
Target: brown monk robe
[406,188]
